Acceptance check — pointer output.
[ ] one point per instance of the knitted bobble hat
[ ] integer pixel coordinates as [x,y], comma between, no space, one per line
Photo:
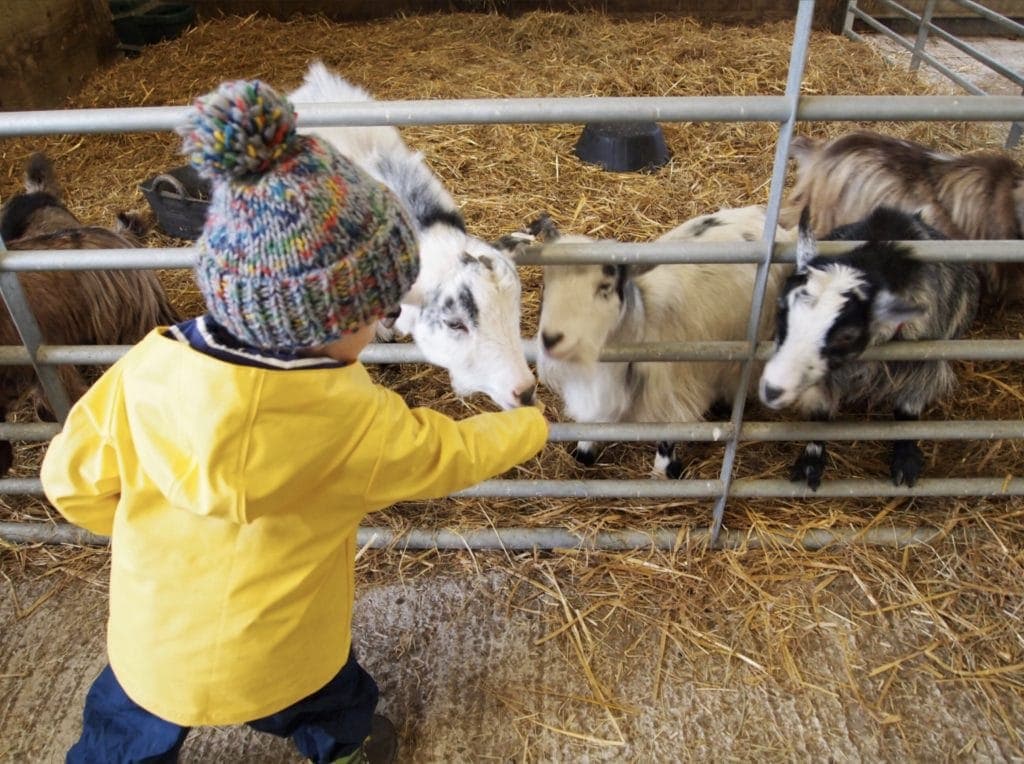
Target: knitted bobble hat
[300,245]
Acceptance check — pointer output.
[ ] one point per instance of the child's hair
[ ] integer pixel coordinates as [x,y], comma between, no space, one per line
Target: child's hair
[300,245]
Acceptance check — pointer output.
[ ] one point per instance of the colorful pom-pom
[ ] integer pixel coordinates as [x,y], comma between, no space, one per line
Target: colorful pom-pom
[240,130]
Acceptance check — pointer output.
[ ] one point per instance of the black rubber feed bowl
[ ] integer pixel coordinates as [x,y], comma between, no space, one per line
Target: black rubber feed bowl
[623,146]
[179,198]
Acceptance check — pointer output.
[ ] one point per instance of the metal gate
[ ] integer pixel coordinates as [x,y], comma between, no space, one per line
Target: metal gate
[785,110]
[925,27]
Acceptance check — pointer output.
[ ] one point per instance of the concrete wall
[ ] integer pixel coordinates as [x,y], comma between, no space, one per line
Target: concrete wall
[49,47]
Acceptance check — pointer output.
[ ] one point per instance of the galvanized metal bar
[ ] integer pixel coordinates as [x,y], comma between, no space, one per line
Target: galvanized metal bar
[924,22]
[521,539]
[1003,250]
[666,252]
[848,18]
[709,432]
[720,432]
[794,80]
[98,259]
[691,489]
[574,110]
[29,432]
[932,61]
[616,252]
[740,488]
[990,108]
[31,337]
[993,16]
[1016,130]
[724,350]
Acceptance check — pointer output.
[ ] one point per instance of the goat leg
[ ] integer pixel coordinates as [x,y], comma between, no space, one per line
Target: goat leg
[665,463]
[585,453]
[810,465]
[907,459]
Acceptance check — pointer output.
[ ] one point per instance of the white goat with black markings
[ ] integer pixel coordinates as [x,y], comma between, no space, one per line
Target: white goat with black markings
[588,307]
[463,311]
[832,309]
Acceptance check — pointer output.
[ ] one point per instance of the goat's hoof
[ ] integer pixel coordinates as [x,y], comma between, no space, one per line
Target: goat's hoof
[808,469]
[906,465]
[674,470]
[584,456]
[6,457]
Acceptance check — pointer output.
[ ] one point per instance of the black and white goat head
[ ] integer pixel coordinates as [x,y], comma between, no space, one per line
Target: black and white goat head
[463,312]
[832,309]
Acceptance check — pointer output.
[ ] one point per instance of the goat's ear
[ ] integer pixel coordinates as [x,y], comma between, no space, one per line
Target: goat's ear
[639,269]
[540,231]
[890,308]
[512,243]
[802,148]
[806,246]
[544,228]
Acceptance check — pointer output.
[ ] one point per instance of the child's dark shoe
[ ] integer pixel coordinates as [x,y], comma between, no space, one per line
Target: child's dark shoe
[380,746]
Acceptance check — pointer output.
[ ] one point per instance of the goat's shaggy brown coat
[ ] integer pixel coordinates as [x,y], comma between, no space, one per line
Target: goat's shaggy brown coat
[974,196]
[103,307]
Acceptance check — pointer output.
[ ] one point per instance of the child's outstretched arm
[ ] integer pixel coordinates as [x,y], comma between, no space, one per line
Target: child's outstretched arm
[80,470]
[425,454]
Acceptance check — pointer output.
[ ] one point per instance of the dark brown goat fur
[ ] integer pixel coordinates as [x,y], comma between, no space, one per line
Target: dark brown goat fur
[974,196]
[102,307]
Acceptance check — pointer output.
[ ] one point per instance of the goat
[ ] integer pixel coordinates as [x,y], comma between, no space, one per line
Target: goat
[463,310]
[587,307]
[72,308]
[975,196]
[832,309]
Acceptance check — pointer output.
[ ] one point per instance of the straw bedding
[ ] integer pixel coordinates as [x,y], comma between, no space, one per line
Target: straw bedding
[958,601]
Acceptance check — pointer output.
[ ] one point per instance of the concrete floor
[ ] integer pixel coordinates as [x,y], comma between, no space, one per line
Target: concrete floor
[466,678]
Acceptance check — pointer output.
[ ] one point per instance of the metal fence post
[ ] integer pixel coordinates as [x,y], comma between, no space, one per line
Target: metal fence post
[922,35]
[797,60]
[32,338]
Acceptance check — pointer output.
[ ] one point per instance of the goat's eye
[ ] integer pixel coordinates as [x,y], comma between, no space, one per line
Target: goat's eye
[604,289]
[456,325]
[843,343]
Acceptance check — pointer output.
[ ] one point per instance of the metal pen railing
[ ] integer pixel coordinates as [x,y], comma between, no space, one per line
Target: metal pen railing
[926,27]
[785,110]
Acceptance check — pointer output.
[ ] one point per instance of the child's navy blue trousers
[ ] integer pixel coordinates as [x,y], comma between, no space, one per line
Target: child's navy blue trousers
[327,725]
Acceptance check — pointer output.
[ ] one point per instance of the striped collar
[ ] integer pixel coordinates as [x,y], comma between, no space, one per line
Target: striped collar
[210,338]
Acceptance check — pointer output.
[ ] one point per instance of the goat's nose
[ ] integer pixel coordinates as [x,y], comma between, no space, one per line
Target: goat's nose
[526,396]
[770,393]
[550,340]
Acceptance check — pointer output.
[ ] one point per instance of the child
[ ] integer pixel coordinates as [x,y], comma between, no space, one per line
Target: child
[231,458]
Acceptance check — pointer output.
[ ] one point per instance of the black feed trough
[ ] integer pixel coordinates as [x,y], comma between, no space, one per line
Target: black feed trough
[179,197]
[623,146]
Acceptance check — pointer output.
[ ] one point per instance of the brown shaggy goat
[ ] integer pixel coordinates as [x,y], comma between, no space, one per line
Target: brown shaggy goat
[103,307]
[975,196]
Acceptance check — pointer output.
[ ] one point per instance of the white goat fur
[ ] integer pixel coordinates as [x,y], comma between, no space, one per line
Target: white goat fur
[684,302]
[464,309]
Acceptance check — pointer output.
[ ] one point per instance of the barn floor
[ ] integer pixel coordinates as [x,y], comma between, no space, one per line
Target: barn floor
[468,675]
[729,656]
